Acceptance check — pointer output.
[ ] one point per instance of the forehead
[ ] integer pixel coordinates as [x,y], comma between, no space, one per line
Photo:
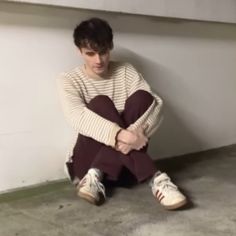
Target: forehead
[87,49]
[93,47]
[90,50]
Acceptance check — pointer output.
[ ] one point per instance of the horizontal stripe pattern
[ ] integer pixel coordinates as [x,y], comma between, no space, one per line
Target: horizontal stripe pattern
[76,90]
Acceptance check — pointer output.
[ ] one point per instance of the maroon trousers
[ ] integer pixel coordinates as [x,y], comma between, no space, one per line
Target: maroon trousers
[89,153]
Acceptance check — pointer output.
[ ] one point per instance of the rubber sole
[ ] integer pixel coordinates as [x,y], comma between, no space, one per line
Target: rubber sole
[88,198]
[177,205]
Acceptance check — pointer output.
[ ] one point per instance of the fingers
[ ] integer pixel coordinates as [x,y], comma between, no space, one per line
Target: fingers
[135,139]
[140,142]
[123,148]
[126,136]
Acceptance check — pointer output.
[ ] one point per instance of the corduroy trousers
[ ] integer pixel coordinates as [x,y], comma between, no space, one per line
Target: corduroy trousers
[89,153]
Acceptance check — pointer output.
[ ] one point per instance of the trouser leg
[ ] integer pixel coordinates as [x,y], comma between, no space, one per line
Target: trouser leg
[89,153]
[138,162]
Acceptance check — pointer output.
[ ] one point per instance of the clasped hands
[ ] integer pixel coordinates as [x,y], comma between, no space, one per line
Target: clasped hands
[128,140]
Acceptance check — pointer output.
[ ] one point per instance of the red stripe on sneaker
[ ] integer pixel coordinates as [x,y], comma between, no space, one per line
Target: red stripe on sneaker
[160,195]
[161,198]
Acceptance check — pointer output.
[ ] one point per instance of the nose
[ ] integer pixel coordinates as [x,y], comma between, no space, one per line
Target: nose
[98,58]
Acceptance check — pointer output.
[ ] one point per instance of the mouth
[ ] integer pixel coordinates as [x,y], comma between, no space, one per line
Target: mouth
[99,67]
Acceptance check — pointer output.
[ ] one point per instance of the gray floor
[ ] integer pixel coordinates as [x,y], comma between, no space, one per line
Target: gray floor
[208,178]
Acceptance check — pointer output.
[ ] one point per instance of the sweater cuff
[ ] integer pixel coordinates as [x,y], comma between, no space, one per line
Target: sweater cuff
[113,134]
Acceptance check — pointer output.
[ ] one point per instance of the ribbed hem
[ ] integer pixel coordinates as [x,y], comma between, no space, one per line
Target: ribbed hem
[113,134]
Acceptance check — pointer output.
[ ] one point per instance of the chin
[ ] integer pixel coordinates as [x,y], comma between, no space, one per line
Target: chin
[99,72]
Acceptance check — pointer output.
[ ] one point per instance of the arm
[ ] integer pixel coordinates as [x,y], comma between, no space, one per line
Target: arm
[83,120]
[152,118]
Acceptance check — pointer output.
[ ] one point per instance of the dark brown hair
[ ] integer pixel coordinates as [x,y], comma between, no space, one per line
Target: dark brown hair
[94,33]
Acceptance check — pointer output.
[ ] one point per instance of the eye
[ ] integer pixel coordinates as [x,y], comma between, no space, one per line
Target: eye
[103,52]
[90,54]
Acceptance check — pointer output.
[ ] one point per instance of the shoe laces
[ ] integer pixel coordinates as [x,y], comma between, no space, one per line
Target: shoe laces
[165,184]
[95,184]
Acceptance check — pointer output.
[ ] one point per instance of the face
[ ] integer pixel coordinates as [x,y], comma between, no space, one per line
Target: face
[96,63]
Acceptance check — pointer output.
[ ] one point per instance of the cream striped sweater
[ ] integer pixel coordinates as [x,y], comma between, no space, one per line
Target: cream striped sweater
[76,89]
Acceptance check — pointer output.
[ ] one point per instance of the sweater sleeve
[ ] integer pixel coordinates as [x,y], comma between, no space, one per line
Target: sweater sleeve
[82,119]
[152,118]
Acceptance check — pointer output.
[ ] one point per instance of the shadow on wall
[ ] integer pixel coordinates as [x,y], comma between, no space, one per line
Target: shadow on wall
[174,136]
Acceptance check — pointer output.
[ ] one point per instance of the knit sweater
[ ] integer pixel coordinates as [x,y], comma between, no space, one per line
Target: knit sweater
[76,90]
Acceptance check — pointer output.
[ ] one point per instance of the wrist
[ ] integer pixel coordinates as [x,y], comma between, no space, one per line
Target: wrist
[117,138]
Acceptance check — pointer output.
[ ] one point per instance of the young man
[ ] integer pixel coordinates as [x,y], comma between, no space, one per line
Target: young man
[114,112]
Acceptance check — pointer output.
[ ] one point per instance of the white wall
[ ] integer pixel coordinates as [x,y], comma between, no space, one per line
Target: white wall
[190,64]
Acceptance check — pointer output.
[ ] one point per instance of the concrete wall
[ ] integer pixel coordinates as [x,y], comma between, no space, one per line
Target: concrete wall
[205,10]
[190,64]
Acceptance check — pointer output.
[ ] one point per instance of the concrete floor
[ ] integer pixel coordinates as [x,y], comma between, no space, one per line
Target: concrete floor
[208,178]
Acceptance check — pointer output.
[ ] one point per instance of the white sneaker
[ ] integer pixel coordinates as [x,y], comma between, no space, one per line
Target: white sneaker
[91,189]
[167,193]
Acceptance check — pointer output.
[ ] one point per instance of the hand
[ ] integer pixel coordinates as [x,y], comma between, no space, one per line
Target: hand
[141,139]
[126,136]
[123,147]
[140,133]
[135,138]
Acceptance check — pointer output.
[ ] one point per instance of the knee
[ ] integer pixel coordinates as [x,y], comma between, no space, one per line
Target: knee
[100,103]
[141,97]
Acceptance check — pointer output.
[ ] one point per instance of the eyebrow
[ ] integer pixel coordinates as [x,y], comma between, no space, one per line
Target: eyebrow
[90,50]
